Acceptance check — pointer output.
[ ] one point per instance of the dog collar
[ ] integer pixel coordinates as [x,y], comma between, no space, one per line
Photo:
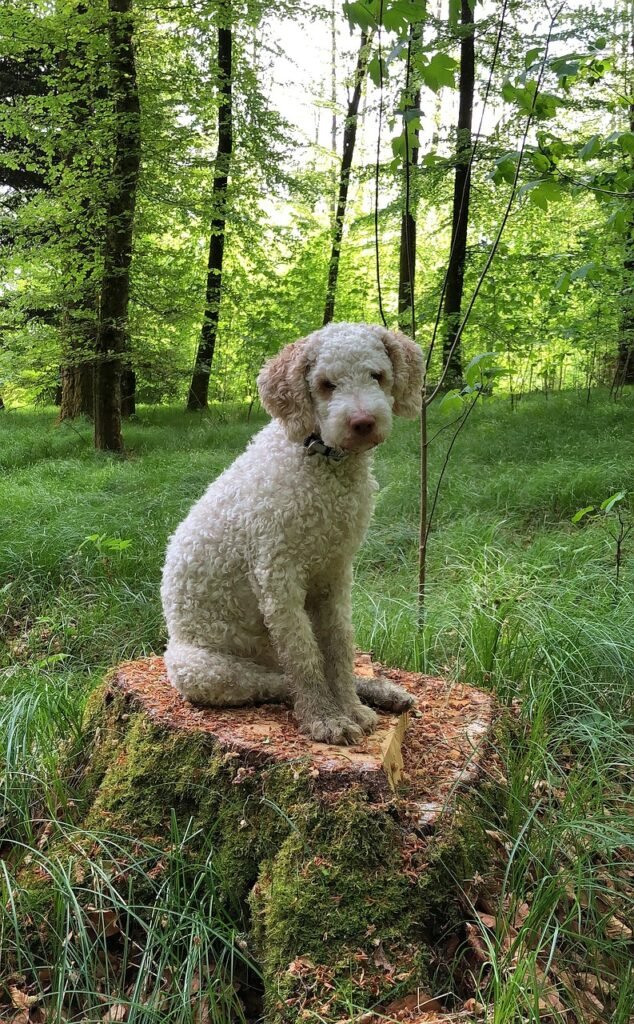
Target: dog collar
[315,446]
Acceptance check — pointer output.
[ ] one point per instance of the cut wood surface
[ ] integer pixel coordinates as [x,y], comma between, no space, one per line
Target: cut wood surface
[428,754]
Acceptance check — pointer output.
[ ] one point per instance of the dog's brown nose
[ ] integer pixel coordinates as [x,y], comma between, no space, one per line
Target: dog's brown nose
[362,424]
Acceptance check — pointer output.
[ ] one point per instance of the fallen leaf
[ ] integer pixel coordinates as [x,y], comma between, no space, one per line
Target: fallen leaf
[20,1000]
[521,913]
[592,1006]
[473,1006]
[104,922]
[299,965]
[418,1001]
[549,1000]
[488,920]
[617,929]
[598,986]
[117,1012]
[475,943]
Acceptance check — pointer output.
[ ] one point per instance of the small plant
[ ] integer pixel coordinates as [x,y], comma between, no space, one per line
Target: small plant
[612,510]
[106,545]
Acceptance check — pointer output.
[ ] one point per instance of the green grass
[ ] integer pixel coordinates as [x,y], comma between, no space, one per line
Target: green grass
[519,600]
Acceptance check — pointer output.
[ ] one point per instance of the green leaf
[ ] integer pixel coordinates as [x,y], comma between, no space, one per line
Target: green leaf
[531,56]
[618,221]
[609,503]
[451,404]
[509,91]
[440,71]
[116,544]
[541,162]
[376,68]
[432,160]
[399,15]
[563,283]
[362,14]
[578,516]
[591,148]
[546,105]
[545,192]
[626,142]
[414,124]
[565,67]
[505,169]
[398,145]
[477,369]
[588,271]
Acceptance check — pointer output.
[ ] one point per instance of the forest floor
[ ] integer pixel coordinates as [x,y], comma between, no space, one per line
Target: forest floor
[520,600]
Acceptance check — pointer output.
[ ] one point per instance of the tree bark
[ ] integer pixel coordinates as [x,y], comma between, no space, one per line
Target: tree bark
[349,140]
[77,389]
[625,357]
[407,250]
[113,313]
[199,388]
[452,352]
[128,392]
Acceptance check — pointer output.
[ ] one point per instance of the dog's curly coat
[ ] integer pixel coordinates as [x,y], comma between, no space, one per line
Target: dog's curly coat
[257,579]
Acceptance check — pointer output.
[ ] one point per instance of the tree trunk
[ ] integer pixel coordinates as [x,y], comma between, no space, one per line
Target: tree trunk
[77,372]
[407,250]
[199,388]
[349,140]
[625,358]
[113,313]
[128,392]
[452,353]
[77,390]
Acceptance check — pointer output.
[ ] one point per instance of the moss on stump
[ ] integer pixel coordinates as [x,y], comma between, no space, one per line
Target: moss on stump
[345,878]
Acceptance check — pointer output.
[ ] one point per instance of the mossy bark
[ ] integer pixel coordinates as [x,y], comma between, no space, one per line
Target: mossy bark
[342,897]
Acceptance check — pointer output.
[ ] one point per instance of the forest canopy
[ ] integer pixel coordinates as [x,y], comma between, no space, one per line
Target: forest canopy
[186,188]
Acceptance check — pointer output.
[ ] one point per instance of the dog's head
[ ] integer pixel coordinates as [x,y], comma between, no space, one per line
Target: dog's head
[344,382]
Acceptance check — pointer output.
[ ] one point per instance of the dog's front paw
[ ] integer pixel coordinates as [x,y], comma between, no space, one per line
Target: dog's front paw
[364,716]
[340,731]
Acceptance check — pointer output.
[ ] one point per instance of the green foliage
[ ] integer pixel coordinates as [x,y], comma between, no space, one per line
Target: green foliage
[572,208]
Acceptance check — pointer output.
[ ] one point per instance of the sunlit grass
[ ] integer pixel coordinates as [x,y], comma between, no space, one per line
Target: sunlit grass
[519,600]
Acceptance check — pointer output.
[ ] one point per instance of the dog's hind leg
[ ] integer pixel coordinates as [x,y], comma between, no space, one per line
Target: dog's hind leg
[221,680]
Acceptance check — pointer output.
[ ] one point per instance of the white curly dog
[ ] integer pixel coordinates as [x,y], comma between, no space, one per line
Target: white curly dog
[257,580]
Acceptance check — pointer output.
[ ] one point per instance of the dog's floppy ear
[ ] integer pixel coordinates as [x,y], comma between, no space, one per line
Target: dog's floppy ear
[407,366]
[284,390]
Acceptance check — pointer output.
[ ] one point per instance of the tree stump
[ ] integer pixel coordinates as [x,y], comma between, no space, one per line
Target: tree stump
[348,862]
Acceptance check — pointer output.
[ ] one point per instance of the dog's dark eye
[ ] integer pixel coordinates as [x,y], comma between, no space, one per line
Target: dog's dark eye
[378,377]
[327,385]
